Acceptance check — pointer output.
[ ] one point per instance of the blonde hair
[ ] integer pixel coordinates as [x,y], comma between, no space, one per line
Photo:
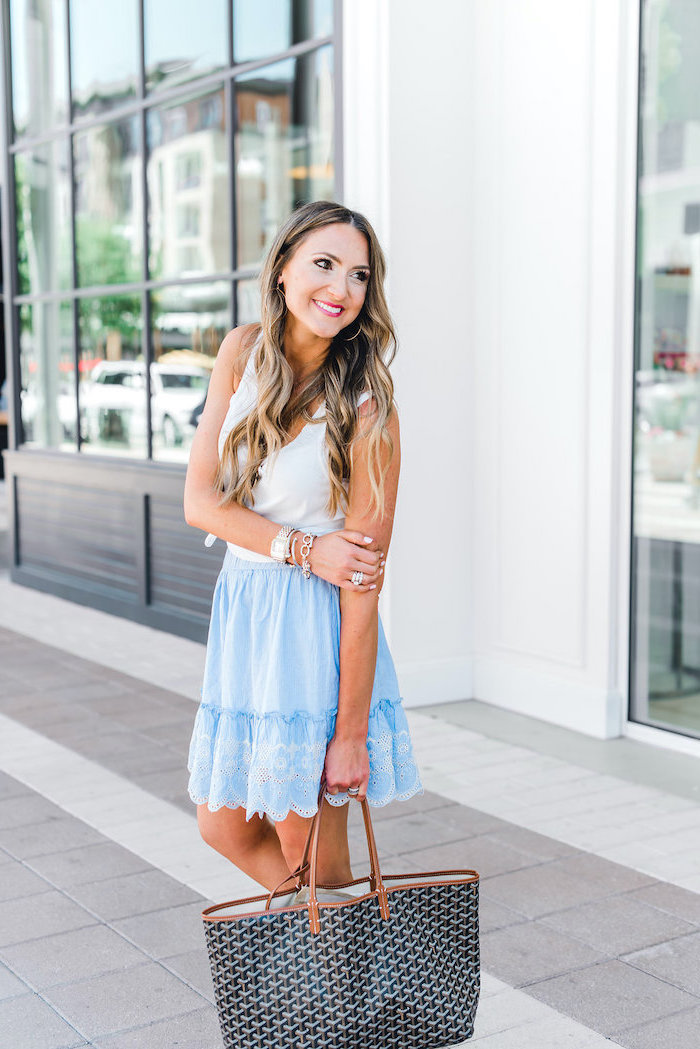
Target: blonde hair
[357,361]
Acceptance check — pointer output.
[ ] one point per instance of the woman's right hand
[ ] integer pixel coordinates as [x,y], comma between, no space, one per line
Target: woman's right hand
[335,556]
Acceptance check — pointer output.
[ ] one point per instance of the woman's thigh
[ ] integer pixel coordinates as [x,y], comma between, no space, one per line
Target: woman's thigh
[333,850]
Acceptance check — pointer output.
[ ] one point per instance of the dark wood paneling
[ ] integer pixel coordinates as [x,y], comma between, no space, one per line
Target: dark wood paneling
[112,535]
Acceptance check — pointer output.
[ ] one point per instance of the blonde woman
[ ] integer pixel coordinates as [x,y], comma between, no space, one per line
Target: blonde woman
[295,464]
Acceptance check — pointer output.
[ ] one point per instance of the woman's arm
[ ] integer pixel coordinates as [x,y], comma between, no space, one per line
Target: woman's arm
[347,759]
[334,557]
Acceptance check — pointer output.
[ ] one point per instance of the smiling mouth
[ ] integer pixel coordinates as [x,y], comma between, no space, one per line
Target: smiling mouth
[325,307]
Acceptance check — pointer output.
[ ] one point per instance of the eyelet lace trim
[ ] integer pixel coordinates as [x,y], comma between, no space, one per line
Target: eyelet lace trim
[272,763]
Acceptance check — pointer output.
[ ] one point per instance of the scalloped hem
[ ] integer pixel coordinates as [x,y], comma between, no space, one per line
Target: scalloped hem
[271,764]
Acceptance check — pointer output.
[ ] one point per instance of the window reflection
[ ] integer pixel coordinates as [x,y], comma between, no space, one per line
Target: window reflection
[284,145]
[266,27]
[44,249]
[108,204]
[248,301]
[188,188]
[666,664]
[189,323]
[104,54]
[180,44]
[47,370]
[112,377]
[38,32]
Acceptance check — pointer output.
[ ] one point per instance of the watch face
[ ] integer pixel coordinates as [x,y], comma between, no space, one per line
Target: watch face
[277,549]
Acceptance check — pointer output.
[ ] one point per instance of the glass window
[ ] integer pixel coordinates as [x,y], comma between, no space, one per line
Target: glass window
[666,513]
[284,145]
[189,215]
[112,377]
[47,371]
[247,301]
[38,33]
[108,204]
[189,323]
[184,40]
[43,192]
[104,54]
[266,27]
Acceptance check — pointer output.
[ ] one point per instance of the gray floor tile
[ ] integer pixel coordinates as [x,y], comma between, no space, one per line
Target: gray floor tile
[176,733]
[168,932]
[611,997]
[17,880]
[29,1023]
[89,863]
[146,757]
[10,985]
[38,916]
[149,890]
[677,962]
[671,899]
[529,841]
[426,802]
[198,1030]
[495,916]
[193,966]
[11,788]
[672,1032]
[72,956]
[26,810]
[119,1001]
[529,952]
[609,877]
[466,822]
[54,835]
[483,854]
[133,711]
[617,924]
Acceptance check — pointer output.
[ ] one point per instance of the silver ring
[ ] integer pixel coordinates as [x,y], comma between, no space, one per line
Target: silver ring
[353,791]
[358,578]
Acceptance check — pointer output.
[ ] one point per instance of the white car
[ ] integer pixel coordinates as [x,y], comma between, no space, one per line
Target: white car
[113,405]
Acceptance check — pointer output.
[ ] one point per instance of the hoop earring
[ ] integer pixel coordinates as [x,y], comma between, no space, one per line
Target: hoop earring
[353,337]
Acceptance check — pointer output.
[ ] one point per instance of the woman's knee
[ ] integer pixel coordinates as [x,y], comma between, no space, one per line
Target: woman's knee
[227,831]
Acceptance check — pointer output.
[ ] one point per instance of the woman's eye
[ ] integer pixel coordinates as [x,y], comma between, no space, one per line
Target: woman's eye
[323,263]
[362,276]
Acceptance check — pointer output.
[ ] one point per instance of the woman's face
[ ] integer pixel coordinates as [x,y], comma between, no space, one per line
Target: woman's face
[325,281]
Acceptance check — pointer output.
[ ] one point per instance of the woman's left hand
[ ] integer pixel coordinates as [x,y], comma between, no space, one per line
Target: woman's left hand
[347,765]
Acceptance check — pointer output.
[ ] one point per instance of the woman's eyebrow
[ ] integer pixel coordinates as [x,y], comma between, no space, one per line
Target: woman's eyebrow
[362,266]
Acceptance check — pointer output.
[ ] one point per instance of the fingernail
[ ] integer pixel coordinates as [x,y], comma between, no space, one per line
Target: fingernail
[382,563]
[373,586]
[368,539]
[381,570]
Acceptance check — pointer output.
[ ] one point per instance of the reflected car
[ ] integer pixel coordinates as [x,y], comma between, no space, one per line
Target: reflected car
[113,406]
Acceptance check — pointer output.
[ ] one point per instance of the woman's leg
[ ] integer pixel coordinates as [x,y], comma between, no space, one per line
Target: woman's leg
[333,848]
[252,846]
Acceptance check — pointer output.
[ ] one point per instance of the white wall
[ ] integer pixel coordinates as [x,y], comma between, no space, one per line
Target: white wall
[496,145]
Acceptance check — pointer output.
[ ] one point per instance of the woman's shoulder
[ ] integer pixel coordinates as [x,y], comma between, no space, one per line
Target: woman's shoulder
[236,349]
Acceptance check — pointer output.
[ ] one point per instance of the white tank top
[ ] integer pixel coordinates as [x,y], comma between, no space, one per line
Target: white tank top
[294,487]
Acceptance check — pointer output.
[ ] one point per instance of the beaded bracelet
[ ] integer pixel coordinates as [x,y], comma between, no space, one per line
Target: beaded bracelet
[308,542]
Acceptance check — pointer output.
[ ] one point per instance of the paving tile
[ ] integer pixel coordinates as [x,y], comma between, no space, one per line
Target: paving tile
[672,1032]
[617,924]
[138,893]
[677,962]
[29,1023]
[194,967]
[119,1001]
[51,836]
[611,996]
[530,841]
[133,711]
[483,854]
[671,899]
[27,809]
[10,787]
[521,954]
[496,916]
[37,916]
[198,1030]
[10,984]
[165,933]
[72,956]
[87,864]
[17,880]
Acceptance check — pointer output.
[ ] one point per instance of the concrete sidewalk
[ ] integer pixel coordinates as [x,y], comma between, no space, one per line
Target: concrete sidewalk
[589,854]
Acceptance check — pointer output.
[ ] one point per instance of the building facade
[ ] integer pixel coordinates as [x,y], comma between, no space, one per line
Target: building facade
[533,172]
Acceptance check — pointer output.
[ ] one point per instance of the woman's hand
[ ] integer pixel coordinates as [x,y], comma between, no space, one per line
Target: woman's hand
[347,765]
[335,556]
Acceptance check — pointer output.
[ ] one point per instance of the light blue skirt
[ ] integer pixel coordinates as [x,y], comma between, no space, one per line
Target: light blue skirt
[270,698]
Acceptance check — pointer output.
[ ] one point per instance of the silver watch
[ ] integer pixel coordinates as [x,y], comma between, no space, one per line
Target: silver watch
[279,548]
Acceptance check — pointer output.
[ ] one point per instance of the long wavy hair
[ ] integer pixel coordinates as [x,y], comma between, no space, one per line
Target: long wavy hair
[357,361]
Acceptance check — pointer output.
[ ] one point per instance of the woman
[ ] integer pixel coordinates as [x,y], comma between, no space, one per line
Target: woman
[295,464]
